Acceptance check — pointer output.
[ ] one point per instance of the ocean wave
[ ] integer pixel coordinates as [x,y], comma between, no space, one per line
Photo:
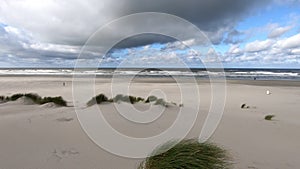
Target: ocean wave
[230,73]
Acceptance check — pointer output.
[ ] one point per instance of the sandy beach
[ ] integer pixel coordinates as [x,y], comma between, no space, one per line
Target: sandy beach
[49,137]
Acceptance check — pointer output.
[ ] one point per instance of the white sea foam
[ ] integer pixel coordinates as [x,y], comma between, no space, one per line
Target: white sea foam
[238,73]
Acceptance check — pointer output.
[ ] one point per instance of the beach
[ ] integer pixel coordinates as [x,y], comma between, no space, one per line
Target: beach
[48,137]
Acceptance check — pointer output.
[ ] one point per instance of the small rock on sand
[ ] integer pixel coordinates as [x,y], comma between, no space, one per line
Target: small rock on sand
[65,119]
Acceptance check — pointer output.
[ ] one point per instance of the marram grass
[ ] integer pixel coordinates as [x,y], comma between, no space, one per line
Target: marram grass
[269,117]
[128,99]
[35,98]
[97,99]
[189,154]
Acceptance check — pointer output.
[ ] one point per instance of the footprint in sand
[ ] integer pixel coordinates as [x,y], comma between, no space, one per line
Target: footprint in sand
[59,155]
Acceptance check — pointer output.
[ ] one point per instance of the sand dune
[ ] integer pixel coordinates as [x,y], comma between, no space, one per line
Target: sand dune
[48,137]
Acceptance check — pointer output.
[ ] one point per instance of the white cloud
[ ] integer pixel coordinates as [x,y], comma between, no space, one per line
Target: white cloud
[12,30]
[249,57]
[284,51]
[291,42]
[53,47]
[18,34]
[295,51]
[69,21]
[189,42]
[27,42]
[277,32]
[258,46]
[19,48]
[235,50]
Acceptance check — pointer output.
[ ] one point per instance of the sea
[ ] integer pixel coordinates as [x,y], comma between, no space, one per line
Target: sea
[230,73]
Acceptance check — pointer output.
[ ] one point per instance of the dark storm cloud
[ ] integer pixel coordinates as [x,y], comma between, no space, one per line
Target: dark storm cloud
[54,28]
[208,15]
[74,24]
[234,37]
[143,39]
[214,17]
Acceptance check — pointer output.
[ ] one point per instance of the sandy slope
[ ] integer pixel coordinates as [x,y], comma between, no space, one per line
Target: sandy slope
[47,137]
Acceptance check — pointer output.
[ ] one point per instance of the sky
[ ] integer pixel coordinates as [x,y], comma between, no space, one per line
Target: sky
[242,34]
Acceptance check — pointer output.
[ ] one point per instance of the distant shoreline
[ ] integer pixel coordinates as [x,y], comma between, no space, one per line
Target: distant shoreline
[199,73]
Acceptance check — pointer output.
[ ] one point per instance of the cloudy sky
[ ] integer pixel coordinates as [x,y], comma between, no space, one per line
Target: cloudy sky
[51,33]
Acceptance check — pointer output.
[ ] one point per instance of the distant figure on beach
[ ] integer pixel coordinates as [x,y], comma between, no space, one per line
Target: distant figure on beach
[254,78]
[64,84]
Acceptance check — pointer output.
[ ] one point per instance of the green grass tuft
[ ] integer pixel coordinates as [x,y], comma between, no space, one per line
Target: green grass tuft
[97,100]
[34,97]
[161,102]
[140,99]
[132,99]
[120,98]
[15,97]
[129,99]
[269,117]
[39,100]
[244,106]
[151,99]
[189,154]
[57,100]
[4,99]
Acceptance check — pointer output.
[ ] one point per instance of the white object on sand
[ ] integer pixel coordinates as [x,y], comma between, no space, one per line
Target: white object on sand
[268,92]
